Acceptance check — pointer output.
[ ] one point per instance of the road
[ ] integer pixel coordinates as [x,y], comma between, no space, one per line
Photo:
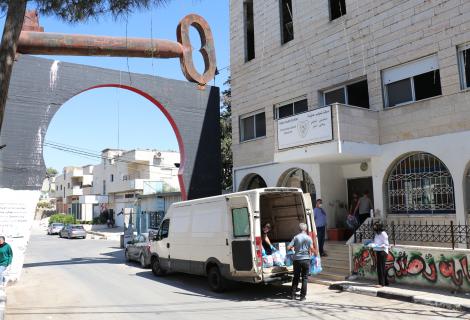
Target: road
[89,279]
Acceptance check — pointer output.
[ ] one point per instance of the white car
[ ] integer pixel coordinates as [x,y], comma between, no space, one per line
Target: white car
[54,228]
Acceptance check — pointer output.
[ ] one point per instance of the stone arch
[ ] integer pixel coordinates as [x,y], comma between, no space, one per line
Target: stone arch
[418,182]
[466,189]
[34,99]
[298,178]
[252,181]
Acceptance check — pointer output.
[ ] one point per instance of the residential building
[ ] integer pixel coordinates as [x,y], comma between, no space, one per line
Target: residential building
[69,191]
[344,96]
[125,175]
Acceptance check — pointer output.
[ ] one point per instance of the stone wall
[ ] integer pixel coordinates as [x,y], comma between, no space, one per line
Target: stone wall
[417,265]
[372,36]
[39,87]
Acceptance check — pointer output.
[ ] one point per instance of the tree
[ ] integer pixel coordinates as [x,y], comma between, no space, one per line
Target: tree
[67,10]
[51,172]
[226,136]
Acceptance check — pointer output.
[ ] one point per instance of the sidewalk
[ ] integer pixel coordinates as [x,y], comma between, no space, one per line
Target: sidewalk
[425,296]
[104,232]
[3,300]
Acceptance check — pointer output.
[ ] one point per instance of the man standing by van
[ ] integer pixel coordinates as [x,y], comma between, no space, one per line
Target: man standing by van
[320,222]
[303,248]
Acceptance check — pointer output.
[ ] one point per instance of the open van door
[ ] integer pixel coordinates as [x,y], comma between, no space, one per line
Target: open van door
[312,229]
[241,233]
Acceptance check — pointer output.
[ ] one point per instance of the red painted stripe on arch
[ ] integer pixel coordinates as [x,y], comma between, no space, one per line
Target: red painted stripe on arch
[170,119]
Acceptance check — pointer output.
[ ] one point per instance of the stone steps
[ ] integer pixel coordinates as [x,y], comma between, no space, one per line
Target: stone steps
[336,264]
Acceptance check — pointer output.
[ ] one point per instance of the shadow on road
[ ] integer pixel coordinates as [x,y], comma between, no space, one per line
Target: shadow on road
[114,257]
[197,286]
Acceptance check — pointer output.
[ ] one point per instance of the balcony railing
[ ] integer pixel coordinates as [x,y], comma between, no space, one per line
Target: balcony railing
[355,124]
[336,122]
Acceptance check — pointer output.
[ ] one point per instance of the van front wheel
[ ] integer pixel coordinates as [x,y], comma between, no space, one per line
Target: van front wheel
[217,283]
[156,269]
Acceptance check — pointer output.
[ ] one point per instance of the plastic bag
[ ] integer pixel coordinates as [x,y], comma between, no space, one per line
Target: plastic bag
[289,259]
[267,261]
[352,222]
[278,259]
[315,265]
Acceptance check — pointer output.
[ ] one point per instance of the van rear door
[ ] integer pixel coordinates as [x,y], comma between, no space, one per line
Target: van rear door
[241,237]
[312,230]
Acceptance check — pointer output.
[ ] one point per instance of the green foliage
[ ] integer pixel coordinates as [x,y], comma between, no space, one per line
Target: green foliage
[226,136]
[51,172]
[99,220]
[62,218]
[83,10]
[45,205]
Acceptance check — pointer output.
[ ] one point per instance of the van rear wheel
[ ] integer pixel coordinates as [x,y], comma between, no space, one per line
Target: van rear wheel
[217,283]
[156,268]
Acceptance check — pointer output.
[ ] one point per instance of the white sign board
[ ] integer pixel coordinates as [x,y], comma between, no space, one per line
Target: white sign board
[305,128]
[17,209]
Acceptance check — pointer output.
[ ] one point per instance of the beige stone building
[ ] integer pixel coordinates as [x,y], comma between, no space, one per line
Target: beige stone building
[340,96]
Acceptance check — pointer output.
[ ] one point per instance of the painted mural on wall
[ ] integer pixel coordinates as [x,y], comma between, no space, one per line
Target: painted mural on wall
[415,265]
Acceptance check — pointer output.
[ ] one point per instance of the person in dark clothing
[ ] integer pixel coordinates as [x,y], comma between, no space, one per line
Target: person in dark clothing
[364,206]
[303,248]
[6,256]
[353,206]
[267,246]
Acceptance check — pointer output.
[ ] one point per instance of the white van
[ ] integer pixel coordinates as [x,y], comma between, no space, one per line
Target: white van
[221,236]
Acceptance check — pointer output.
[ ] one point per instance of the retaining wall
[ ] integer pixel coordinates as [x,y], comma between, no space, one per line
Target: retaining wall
[442,268]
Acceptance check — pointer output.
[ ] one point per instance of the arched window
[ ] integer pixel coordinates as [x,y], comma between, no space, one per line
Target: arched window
[252,181]
[420,183]
[467,190]
[298,178]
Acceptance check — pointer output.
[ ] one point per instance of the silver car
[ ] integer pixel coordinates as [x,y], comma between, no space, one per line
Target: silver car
[73,231]
[54,228]
[138,249]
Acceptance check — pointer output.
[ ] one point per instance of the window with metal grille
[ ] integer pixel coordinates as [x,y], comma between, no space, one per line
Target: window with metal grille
[287,25]
[420,184]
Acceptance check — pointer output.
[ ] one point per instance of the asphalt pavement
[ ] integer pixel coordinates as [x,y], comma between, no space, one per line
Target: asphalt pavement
[89,279]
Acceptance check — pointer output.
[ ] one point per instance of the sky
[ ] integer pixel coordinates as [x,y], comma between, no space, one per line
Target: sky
[122,118]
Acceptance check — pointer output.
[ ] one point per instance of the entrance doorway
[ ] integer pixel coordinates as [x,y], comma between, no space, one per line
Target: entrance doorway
[359,186]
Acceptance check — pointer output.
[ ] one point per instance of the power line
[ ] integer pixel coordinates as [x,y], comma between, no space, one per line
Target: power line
[81,152]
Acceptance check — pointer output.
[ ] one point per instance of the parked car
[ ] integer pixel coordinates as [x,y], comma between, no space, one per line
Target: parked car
[138,249]
[54,228]
[73,231]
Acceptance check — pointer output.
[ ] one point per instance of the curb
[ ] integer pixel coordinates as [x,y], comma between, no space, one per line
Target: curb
[3,300]
[399,296]
[96,234]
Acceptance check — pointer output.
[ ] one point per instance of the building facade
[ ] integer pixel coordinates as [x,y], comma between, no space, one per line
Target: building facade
[69,190]
[114,186]
[343,96]
[123,176]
